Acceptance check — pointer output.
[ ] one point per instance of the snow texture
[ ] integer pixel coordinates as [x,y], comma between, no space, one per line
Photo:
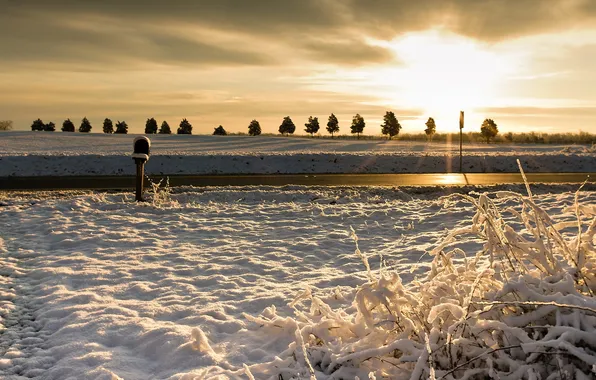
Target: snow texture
[264,283]
[34,154]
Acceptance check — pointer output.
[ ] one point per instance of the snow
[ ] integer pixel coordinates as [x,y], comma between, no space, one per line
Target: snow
[34,154]
[294,282]
[200,284]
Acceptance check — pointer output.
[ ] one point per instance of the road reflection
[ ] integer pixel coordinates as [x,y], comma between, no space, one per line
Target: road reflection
[426,179]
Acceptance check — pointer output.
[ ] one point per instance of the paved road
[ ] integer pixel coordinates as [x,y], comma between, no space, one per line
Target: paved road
[128,182]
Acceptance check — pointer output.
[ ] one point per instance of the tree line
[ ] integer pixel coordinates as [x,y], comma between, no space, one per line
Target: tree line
[109,127]
[312,127]
[390,127]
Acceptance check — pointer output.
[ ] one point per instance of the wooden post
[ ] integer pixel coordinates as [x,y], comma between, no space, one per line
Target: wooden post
[461,127]
[140,174]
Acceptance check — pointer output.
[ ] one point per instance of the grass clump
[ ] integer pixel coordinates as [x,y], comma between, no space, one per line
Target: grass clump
[522,307]
[160,194]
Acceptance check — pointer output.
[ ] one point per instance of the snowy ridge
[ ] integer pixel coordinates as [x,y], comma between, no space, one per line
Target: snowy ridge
[200,284]
[297,163]
[14,143]
[47,154]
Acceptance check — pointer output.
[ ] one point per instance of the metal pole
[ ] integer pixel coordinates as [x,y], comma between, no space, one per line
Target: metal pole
[140,175]
[461,127]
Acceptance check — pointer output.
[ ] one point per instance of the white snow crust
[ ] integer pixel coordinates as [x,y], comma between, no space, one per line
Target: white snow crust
[241,283]
[64,154]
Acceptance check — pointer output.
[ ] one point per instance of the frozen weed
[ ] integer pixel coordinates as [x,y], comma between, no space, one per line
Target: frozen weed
[522,307]
[161,195]
[579,149]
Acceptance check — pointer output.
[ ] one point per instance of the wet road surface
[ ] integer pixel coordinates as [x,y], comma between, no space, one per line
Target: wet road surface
[427,179]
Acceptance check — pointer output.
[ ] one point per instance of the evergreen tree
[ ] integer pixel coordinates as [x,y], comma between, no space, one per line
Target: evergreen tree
[37,125]
[489,129]
[390,125]
[358,125]
[332,125]
[312,126]
[151,126]
[165,128]
[49,127]
[219,131]
[431,128]
[68,126]
[108,126]
[121,127]
[85,126]
[185,128]
[287,126]
[254,128]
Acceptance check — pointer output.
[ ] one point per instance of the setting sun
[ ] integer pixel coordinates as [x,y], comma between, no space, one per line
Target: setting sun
[433,74]
[444,73]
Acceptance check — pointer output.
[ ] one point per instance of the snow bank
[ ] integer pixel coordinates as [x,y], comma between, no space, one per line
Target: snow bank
[297,163]
[522,307]
[14,143]
[34,154]
[225,283]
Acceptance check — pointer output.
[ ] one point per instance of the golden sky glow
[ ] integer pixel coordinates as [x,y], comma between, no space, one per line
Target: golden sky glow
[526,64]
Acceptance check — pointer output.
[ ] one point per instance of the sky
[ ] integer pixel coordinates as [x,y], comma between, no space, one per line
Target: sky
[527,64]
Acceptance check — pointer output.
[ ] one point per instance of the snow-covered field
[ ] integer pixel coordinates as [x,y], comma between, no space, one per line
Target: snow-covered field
[32,154]
[295,282]
[95,286]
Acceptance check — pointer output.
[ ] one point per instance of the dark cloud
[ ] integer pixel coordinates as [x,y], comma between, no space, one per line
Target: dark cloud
[120,31]
[149,31]
[241,14]
[489,20]
[51,39]
[345,51]
[502,19]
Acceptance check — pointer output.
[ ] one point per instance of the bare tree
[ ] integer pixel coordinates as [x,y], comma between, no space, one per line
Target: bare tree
[5,125]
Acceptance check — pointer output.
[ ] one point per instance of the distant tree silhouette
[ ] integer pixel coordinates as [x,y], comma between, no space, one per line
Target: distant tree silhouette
[489,129]
[49,127]
[68,126]
[121,127]
[254,128]
[332,125]
[108,126]
[287,126]
[358,125]
[85,126]
[431,128]
[312,126]
[37,125]
[165,128]
[151,126]
[390,125]
[185,128]
[219,131]
[5,125]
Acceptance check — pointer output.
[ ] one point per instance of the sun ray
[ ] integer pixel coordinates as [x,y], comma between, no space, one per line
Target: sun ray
[444,73]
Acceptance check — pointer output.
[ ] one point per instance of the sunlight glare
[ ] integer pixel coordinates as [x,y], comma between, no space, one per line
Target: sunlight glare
[445,73]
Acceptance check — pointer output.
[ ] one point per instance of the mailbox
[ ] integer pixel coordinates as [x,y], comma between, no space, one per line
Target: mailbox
[141,148]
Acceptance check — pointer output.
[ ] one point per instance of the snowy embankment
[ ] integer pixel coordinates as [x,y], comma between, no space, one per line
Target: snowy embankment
[199,285]
[297,163]
[38,154]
